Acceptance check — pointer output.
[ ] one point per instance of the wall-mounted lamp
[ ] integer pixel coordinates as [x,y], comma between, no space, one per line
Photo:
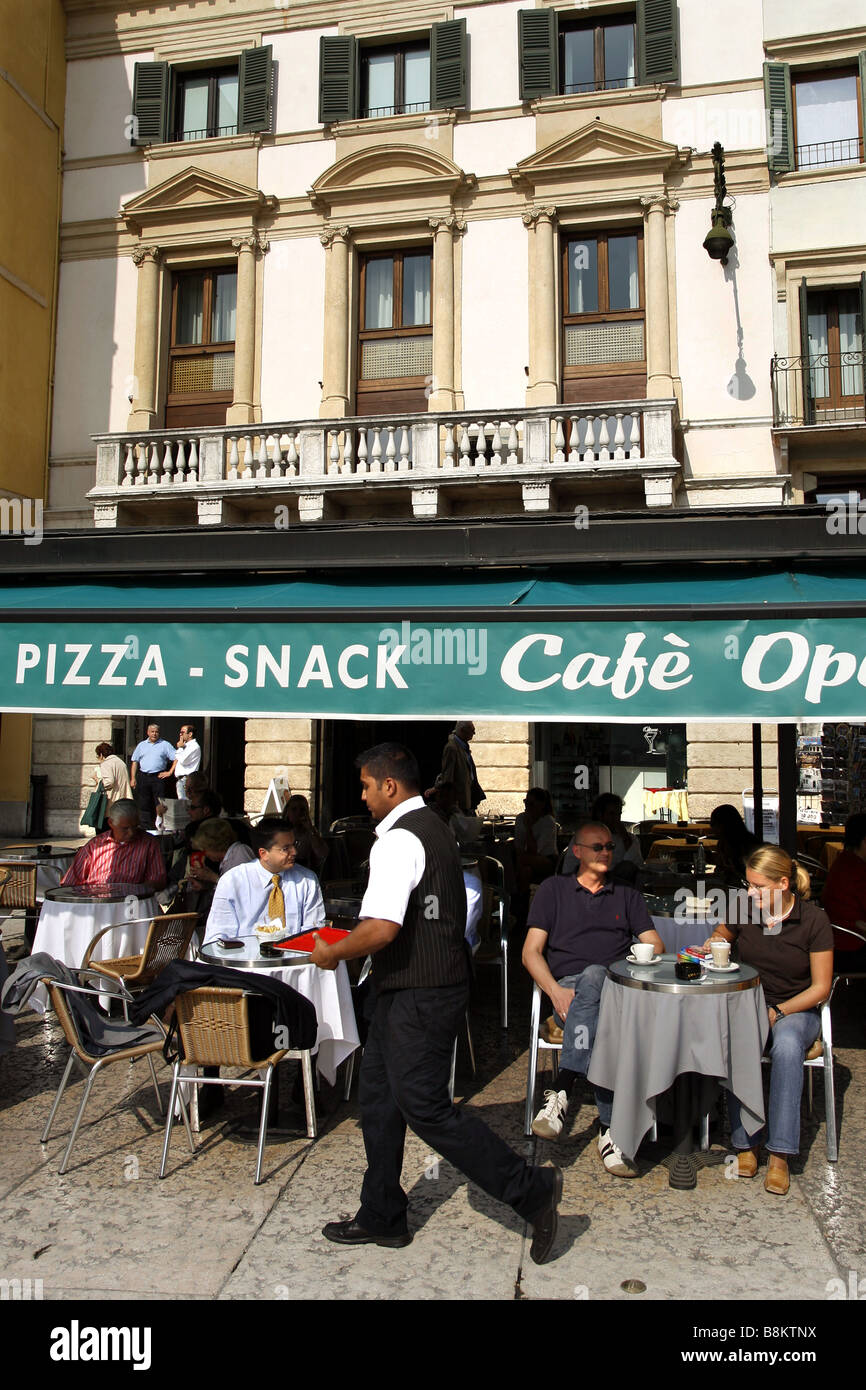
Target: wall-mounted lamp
[719,239]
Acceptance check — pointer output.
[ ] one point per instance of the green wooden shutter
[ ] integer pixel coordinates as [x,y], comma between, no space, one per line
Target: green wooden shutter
[538,49]
[658,54]
[805,354]
[150,89]
[448,64]
[780,118]
[338,79]
[255,88]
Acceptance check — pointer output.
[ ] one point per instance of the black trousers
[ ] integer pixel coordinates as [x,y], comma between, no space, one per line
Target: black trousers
[404,1081]
[150,788]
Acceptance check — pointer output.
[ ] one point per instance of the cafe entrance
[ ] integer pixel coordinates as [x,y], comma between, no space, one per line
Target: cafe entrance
[645,764]
[338,788]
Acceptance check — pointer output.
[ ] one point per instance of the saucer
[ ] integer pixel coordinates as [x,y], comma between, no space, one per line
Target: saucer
[722,969]
[656,960]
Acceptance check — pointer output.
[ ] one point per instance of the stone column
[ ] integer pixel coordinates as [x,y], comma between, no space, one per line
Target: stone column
[658,322]
[335,374]
[442,396]
[143,413]
[242,409]
[543,386]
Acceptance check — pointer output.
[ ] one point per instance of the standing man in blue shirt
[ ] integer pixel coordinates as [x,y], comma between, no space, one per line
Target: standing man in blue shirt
[152,761]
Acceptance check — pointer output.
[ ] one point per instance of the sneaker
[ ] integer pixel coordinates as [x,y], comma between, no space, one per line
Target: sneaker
[548,1122]
[613,1158]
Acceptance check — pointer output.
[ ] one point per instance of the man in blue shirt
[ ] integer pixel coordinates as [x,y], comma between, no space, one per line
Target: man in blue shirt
[579,925]
[152,760]
[270,889]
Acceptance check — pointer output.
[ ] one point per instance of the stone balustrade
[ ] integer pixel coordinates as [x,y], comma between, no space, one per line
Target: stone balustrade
[212,470]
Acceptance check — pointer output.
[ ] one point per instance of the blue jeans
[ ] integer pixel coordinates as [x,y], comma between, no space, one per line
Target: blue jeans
[578,1030]
[788,1043]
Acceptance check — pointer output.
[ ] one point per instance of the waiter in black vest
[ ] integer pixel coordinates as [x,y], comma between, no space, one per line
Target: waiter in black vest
[414,917]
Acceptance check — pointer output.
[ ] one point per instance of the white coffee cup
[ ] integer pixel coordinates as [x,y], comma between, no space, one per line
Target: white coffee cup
[721,952]
[643,951]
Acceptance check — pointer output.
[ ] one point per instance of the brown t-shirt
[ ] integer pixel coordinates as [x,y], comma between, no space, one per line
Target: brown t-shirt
[781,957]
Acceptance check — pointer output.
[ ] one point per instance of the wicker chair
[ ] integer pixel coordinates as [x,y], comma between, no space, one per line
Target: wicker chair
[168,939]
[214,1030]
[18,890]
[80,1048]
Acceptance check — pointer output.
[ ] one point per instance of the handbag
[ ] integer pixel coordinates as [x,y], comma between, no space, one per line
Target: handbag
[96,811]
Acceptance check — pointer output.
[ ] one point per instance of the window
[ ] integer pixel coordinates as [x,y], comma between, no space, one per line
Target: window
[596,57]
[395,340]
[604,356]
[428,72]
[206,104]
[833,349]
[827,119]
[201,367]
[815,120]
[202,103]
[395,81]
[560,56]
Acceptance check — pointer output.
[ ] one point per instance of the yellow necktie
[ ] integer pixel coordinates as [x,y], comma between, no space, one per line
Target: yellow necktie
[277,903]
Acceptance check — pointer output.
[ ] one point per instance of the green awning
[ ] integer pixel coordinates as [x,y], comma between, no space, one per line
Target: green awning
[625,645]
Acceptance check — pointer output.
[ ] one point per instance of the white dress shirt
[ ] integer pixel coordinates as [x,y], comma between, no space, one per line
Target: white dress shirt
[188,758]
[240,901]
[397,864]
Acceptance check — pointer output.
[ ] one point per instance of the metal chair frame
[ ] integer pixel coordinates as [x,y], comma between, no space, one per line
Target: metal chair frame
[140,970]
[200,1009]
[57,989]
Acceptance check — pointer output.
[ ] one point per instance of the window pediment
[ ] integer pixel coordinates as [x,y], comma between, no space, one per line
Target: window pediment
[387,174]
[195,194]
[595,149]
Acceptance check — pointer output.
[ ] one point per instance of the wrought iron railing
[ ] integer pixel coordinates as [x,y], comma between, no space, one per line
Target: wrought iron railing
[824,154]
[825,388]
[211,133]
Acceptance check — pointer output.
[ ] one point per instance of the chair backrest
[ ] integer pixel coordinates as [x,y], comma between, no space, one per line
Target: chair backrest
[214,1028]
[19,889]
[168,939]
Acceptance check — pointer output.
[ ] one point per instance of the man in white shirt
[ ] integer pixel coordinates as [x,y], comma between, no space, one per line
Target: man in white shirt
[188,758]
[270,889]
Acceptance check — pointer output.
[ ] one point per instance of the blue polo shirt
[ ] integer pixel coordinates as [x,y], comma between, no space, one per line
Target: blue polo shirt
[154,757]
[585,928]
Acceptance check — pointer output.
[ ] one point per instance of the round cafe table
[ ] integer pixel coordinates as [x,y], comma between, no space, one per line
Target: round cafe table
[50,868]
[71,917]
[327,990]
[656,1033]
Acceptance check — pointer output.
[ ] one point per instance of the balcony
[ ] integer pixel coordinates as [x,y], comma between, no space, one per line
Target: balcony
[422,465]
[825,388]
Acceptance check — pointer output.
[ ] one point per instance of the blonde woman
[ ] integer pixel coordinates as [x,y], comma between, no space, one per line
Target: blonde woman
[790,944]
[218,840]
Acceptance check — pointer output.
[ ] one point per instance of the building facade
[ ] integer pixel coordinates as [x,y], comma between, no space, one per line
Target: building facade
[367,264]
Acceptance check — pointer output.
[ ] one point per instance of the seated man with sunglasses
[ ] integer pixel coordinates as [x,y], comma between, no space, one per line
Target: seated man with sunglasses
[579,925]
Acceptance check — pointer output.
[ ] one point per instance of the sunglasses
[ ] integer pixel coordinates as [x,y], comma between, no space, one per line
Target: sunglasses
[608,846]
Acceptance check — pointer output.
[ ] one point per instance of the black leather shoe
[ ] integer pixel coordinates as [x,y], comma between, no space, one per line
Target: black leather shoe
[351,1233]
[545,1221]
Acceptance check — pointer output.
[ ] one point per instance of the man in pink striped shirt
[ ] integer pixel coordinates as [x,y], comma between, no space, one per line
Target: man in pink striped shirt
[122,854]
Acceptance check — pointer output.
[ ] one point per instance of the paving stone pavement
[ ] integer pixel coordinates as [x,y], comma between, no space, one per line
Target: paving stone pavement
[110,1229]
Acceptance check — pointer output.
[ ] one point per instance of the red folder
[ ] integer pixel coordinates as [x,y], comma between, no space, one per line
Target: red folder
[306,941]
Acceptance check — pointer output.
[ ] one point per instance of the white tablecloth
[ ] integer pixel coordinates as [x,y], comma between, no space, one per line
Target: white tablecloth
[327,990]
[65,931]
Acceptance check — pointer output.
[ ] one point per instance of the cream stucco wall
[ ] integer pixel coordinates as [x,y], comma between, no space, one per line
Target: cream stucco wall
[820,214]
[487,148]
[736,119]
[713,388]
[99,104]
[293,329]
[782,19]
[288,171]
[99,192]
[719,43]
[495,313]
[492,33]
[296,56]
[95,341]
